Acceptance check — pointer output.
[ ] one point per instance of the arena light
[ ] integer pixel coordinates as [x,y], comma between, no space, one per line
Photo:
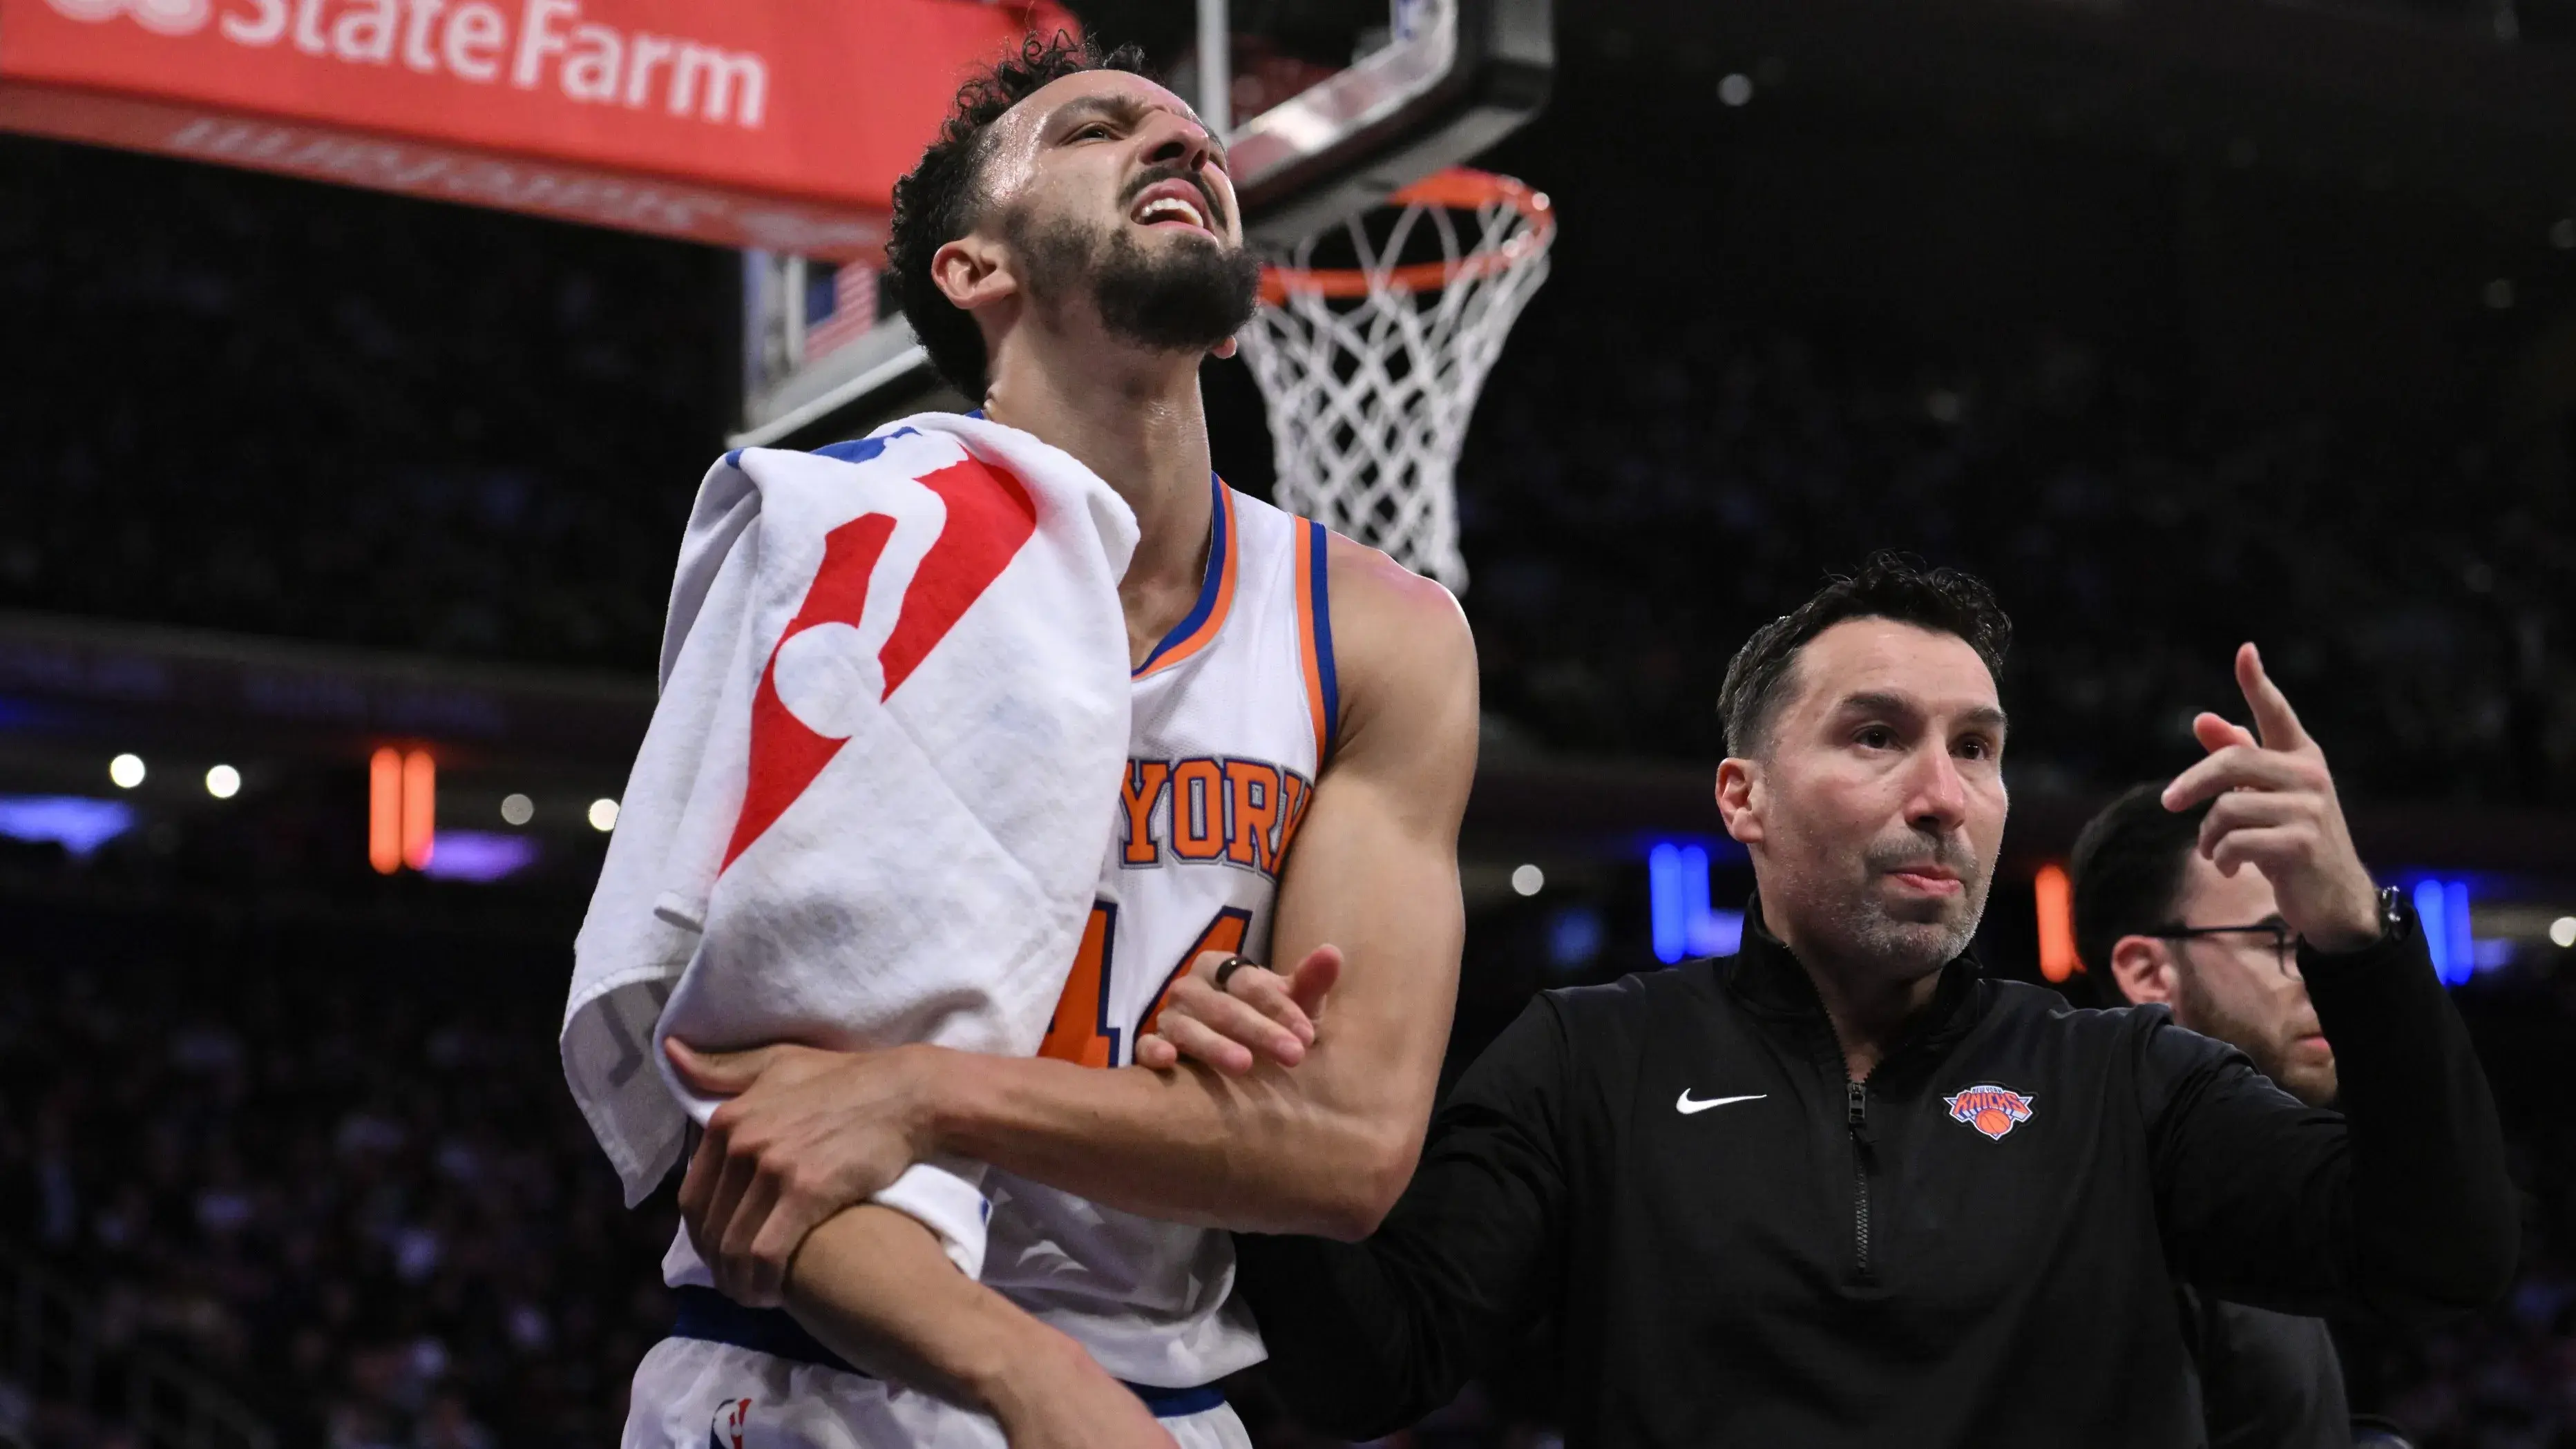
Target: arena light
[2056,896]
[1664,898]
[2442,913]
[2430,912]
[384,811]
[603,815]
[2562,932]
[1528,880]
[76,823]
[419,809]
[517,809]
[223,782]
[482,856]
[2464,951]
[1684,925]
[126,771]
[402,809]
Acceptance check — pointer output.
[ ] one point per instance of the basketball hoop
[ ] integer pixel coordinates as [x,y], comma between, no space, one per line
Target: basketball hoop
[1371,367]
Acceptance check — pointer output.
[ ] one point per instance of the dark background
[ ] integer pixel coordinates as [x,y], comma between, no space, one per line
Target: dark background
[2181,324]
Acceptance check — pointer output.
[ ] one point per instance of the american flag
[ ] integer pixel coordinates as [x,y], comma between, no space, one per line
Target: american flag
[854,311]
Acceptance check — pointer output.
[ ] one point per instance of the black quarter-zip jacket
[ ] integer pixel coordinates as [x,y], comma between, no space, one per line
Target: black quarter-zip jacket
[1976,1246]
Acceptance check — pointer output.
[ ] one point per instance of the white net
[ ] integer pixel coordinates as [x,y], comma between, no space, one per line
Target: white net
[1371,368]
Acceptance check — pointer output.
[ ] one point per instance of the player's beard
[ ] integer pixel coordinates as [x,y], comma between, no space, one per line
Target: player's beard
[1188,299]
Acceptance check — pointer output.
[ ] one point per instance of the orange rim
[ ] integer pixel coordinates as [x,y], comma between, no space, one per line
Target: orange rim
[1458,188]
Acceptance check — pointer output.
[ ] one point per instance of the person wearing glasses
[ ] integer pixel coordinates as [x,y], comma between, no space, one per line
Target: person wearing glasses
[2157,922]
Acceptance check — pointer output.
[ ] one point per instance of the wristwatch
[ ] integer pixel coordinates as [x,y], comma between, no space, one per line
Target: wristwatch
[2394,918]
[2392,914]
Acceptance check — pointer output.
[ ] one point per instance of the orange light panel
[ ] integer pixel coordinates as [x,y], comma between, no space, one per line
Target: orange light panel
[384,811]
[419,808]
[2057,958]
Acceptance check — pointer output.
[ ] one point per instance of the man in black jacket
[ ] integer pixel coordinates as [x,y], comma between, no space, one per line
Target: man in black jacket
[2155,921]
[1842,1189]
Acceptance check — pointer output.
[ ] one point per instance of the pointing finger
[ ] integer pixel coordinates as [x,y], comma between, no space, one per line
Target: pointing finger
[2272,713]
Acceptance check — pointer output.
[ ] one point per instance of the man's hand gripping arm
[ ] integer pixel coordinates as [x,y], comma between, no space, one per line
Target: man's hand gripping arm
[1368,906]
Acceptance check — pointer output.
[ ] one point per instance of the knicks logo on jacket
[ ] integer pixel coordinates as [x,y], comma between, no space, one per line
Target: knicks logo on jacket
[1239,812]
[1990,1109]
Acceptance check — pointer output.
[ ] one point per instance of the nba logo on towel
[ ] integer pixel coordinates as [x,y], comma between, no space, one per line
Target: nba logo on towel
[726,1431]
[983,516]
[1990,1109]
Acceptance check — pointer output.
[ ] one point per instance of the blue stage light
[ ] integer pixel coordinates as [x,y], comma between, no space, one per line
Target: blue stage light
[76,823]
[1684,923]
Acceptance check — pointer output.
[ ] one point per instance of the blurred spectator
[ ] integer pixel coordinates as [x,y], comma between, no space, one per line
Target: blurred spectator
[2404,587]
[367,1206]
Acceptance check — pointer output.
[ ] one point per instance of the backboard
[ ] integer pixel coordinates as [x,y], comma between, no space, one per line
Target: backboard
[1332,106]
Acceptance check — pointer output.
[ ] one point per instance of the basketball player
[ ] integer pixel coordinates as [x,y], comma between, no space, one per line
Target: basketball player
[1304,737]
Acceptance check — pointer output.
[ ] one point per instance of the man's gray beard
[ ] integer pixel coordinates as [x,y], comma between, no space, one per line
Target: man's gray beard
[1912,948]
[1187,302]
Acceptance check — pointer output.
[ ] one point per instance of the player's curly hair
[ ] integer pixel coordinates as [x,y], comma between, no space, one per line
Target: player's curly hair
[941,198]
[1889,586]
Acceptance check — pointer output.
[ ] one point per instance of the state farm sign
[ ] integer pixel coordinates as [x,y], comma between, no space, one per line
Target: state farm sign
[546,43]
[778,123]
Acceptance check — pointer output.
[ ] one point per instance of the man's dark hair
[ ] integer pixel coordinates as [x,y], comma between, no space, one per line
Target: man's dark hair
[2127,872]
[941,198]
[1889,586]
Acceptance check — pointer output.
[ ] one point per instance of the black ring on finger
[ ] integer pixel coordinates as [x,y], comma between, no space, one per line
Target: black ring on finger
[1228,967]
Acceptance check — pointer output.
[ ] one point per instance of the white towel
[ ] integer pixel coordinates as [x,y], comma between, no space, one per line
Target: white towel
[870,807]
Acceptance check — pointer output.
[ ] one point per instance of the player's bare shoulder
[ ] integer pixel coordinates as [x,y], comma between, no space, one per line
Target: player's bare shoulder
[1404,655]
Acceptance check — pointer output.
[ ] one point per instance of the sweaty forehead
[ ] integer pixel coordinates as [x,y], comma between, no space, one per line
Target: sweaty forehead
[1088,90]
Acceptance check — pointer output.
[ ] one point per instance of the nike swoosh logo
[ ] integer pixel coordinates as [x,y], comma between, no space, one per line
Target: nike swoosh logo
[1687,1106]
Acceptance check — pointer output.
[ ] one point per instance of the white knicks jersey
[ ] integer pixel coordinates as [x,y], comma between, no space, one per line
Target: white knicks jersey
[1234,716]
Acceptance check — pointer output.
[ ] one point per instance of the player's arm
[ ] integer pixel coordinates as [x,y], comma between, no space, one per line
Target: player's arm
[1323,1148]
[876,1288]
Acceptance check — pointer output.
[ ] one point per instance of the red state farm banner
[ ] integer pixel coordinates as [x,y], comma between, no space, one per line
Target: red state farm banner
[762,123]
